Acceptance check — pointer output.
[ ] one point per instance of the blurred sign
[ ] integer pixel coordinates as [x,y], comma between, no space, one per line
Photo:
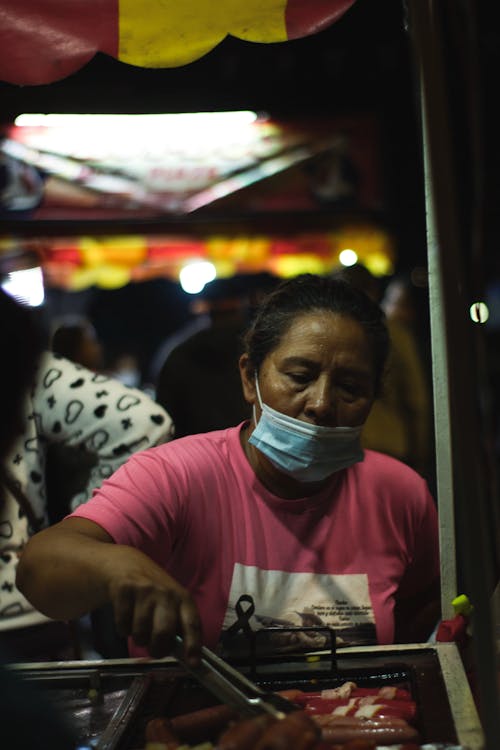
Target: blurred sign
[126,166]
[75,263]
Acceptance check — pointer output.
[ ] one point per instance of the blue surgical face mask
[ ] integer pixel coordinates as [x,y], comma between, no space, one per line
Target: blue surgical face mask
[306,452]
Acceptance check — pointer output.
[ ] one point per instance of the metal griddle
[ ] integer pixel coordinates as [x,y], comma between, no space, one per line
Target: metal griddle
[109,702]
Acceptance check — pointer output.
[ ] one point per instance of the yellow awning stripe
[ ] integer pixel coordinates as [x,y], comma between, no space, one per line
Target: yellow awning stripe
[168,33]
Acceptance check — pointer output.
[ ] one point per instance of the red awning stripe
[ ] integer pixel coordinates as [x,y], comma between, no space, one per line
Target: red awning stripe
[306,18]
[41,42]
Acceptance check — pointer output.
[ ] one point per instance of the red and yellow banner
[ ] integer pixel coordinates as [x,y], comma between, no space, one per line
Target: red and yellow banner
[45,40]
[75,263]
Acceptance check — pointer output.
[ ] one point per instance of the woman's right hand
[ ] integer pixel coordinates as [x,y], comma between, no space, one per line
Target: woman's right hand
[151,606]
[74,567]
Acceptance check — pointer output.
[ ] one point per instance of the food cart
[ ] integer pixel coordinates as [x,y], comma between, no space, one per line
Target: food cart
[111,701]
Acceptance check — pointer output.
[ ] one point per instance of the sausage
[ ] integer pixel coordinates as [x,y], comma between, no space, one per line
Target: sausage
[367,707]
[293,695]
[244,734]
[296,730]
[385,731]
[202,725]
[160,730]
[387,693]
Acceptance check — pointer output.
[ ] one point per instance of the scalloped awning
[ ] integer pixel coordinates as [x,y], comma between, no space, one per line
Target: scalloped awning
[45,40]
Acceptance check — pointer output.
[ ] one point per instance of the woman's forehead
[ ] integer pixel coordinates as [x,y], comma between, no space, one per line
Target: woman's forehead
[318,324]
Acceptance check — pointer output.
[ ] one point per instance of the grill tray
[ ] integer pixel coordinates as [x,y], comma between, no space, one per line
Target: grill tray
[110,704]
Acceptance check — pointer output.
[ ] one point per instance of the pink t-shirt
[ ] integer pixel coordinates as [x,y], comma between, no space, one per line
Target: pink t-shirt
[337,558]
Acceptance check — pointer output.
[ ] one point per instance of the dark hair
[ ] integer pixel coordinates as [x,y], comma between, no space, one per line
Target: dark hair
[308,293]
[360,277]
[67,340]
[21,342]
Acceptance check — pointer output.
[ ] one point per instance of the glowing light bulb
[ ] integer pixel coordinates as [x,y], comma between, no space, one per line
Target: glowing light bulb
[194,276]
[348,257]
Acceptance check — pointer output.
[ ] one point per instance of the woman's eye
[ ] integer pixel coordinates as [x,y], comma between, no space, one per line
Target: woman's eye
[299,377]
[350,388]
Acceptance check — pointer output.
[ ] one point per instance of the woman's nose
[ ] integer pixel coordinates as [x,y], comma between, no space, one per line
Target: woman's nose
[320,407]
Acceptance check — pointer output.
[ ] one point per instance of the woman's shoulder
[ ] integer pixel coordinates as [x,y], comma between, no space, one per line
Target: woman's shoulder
[203,448]
[380,467]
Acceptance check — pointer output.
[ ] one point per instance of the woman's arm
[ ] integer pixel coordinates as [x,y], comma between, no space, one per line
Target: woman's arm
[74,567]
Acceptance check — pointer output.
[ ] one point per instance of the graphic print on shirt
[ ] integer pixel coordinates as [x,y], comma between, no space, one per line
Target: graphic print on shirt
[283,600]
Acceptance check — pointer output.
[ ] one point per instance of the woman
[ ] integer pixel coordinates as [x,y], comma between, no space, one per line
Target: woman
[285,510]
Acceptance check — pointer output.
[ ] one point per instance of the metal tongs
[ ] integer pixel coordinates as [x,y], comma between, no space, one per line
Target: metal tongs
[231,687]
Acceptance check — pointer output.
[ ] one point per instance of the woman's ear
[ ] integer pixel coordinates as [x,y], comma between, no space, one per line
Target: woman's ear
[247,379]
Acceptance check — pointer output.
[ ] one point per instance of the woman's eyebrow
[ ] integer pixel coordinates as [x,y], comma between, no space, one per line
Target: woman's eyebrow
[299,361]
[355,372]
[359,373]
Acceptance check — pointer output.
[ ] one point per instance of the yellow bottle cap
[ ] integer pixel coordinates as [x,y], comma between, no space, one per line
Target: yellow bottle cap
[462,605]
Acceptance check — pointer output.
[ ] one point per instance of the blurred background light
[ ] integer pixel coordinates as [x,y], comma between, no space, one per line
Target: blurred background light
[479,312]
[348,257]
[194,276]
[25,286]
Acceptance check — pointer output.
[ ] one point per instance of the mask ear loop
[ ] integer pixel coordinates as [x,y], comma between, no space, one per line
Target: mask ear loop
[254,414]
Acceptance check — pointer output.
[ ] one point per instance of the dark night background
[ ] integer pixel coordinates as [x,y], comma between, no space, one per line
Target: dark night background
[361,64]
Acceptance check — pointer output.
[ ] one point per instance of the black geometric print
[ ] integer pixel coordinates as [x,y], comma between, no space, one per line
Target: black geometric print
[97,440]
[157,418]
[100,411]
[5,557]
[8,587]
[73,411]
[77,383]
[56,427]
[51,376]
[100,394]
[35,477]
[120,450]
[126,402]
[126,424]
[17,459]
[12,609]
[51,402]
[31,445]
[138,444]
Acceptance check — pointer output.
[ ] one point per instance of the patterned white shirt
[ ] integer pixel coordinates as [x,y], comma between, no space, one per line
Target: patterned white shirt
[74,406]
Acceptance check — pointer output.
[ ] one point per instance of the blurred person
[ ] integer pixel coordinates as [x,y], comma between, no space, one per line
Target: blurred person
[103,422]
[408,305]
[284,509]
[28,720]
[67,466]
[400,420]
[398,303]
[199,381]
[123,366]
[76,339]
